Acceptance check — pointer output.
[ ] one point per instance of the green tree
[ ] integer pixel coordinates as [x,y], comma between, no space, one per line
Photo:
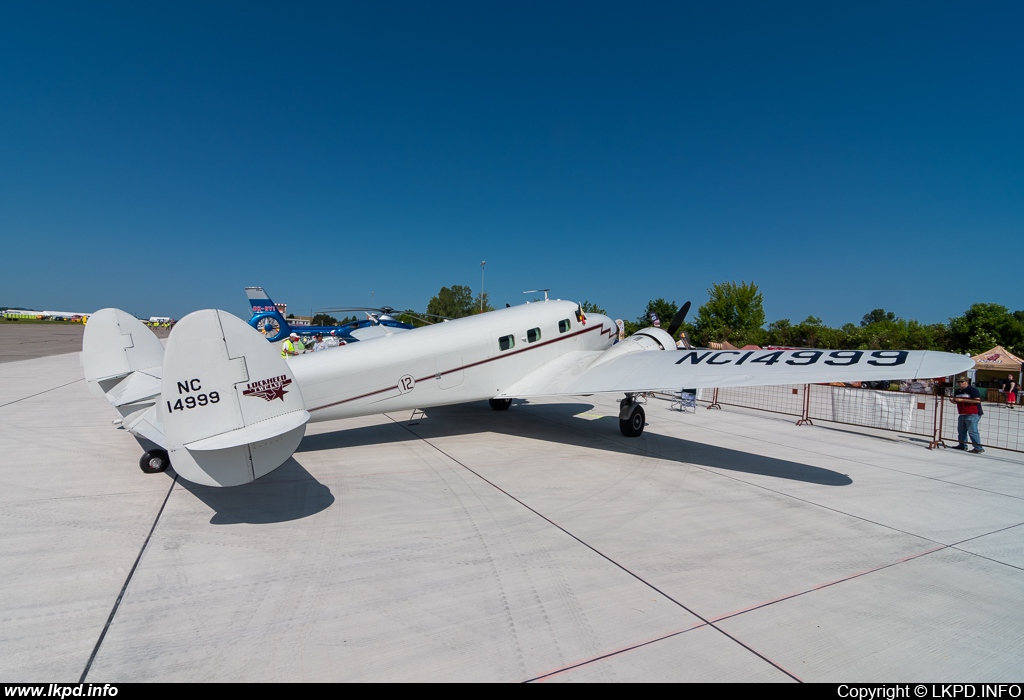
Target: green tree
[323,319]
[733,312]
[665,310]
[811,333]
[590,307]
[898,334]
[453,302]
[983,326]
[413,318]
[486,306]
[876,316]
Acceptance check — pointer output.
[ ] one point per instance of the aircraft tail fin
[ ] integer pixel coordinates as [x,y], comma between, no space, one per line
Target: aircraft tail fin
[266,318]
[259,300]
[229,404]
[122,360]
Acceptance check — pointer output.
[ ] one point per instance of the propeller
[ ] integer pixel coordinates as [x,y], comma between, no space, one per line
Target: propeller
[678,319]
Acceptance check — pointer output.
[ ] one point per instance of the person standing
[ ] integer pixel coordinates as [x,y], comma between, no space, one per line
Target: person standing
[1010,388]
[968,407]
[319,343]
[292,346]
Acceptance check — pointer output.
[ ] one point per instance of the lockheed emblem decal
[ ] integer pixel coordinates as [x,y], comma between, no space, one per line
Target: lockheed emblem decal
[268,389]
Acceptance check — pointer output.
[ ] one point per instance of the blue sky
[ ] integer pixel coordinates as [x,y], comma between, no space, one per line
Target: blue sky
[160,157]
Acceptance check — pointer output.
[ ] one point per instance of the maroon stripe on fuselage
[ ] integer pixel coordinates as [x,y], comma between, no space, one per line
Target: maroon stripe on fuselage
[604,331]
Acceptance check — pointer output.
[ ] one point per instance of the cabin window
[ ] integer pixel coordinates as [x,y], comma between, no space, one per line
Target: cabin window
[533,335]
[564,325]
[506,342]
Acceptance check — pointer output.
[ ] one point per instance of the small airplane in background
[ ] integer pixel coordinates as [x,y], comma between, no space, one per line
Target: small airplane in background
[223,406]
[49,315]
[269,321]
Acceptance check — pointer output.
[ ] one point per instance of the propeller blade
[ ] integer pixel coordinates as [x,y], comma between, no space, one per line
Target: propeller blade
[678,319]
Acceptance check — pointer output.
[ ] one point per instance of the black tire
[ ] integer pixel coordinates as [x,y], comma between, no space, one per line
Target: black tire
[634,425]
[500,404]
[154,462]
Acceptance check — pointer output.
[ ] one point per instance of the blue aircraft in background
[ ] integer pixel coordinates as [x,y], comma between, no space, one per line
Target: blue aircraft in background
[268,320]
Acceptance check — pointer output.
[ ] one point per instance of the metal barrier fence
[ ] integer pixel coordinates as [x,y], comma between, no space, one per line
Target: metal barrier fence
[999,426]
[926,415]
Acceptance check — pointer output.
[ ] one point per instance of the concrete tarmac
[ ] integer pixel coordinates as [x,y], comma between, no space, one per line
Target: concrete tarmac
[24,340]
[533,544]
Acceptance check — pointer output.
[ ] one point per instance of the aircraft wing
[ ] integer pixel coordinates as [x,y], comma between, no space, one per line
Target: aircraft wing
[369,332]
[583,373]
[552,378]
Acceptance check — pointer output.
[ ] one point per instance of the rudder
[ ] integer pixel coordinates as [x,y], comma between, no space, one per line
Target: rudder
[230,406]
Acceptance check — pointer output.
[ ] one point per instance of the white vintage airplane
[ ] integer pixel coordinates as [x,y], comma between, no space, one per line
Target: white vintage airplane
[223,406]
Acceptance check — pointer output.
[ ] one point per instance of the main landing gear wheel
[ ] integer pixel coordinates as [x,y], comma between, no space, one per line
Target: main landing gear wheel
[500,404]
[634,425]
[154,462]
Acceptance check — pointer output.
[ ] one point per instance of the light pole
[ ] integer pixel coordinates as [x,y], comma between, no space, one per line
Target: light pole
[482,263]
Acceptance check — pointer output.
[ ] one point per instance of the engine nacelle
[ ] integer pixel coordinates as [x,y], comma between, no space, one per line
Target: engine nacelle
[644,340]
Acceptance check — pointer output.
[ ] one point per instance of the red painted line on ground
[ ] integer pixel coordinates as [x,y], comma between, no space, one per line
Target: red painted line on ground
[564,669]
[826,585]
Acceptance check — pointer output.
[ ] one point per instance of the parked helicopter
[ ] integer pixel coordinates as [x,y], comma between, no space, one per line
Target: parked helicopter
[223,406]
[269,321]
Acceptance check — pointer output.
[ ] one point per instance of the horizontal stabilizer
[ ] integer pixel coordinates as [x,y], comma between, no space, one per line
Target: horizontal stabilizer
[262,431]
[230,407]
[141,385]
[145,423]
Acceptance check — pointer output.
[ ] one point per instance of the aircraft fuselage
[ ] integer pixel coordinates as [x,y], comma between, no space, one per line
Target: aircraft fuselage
[467,359]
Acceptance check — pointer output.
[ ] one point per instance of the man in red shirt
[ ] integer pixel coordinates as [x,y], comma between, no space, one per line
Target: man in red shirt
[968,405]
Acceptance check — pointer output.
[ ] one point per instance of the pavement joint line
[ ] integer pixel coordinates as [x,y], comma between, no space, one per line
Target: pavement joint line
[608,655]
[820,586]
[645,452]
[872,570]
[982,556]
[986,534]
[873,522]
[868,464]
[88,496]
[127,580]
[822,506]
[45,391]
[607,558]
[940,545]
[956,546]
[711,470]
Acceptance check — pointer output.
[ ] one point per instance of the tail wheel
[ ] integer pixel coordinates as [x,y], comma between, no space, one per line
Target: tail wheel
[154,462]
[634,425]
[500,404]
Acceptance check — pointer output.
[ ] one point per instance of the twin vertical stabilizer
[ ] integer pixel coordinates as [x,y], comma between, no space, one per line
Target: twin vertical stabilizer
[232,411]
[220,399]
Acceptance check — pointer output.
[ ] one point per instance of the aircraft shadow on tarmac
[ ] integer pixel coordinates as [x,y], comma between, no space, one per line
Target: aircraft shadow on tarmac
[555,423]
[287,493]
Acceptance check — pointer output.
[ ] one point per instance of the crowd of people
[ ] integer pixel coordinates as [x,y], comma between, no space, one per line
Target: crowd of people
[293,344]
